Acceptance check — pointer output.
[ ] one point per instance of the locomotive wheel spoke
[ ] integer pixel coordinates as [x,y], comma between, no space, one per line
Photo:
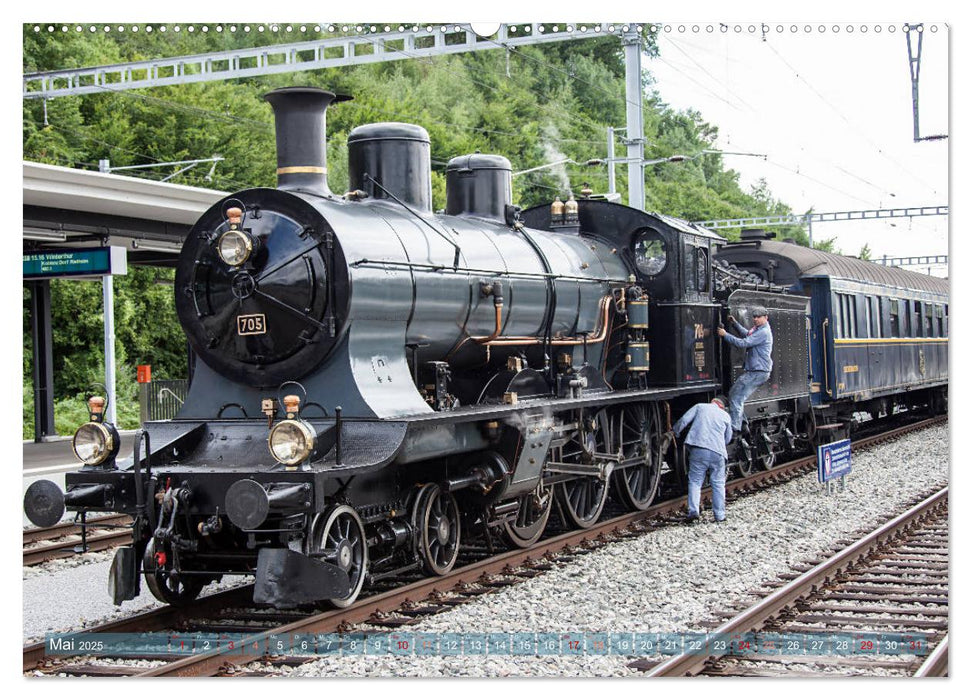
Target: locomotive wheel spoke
[338,534]
[582,499]
[440,531]
[640,434]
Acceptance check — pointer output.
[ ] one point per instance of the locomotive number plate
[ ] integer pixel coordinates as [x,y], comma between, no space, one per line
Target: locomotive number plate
[251,324]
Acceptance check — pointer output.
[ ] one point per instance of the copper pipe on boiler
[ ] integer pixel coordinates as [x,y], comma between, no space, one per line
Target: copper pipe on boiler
[496,331]
[531,340]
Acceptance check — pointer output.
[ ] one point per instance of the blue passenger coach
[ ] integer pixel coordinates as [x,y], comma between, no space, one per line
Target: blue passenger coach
[877,335]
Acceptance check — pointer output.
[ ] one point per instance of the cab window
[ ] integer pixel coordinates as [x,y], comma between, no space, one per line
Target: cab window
[702,272]
[650,253]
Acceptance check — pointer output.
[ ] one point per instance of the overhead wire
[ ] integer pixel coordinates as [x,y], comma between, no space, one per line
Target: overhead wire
[691,58]
[825,162]
[699,84]
[798,172]
[852,126]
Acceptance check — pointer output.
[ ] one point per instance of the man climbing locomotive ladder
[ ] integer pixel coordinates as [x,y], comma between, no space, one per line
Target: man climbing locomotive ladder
[757,342]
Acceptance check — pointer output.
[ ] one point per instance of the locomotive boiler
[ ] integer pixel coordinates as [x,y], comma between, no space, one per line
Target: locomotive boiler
[374,384]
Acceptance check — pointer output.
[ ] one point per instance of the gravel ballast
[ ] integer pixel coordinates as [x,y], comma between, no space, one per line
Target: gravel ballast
[70,598]
[671,579]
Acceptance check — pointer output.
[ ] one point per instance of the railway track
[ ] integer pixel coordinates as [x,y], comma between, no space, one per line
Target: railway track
[891,581]
[231,612]
[64,540]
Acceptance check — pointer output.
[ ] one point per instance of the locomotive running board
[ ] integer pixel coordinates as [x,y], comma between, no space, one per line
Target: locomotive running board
[286,579]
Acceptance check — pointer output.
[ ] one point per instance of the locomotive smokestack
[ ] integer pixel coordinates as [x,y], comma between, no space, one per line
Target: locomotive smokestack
[301,137]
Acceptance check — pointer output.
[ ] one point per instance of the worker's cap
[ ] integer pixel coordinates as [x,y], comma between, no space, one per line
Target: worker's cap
[721,401]
[759,311]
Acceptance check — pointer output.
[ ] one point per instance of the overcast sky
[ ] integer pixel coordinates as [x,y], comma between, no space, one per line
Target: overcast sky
[832,111]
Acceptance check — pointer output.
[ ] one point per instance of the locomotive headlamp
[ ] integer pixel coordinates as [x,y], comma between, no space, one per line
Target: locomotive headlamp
[292,441]
[93,443]
[96,442]
[234,247]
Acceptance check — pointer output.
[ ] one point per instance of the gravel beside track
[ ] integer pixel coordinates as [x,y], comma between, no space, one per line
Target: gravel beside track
[62,596]
[674,578]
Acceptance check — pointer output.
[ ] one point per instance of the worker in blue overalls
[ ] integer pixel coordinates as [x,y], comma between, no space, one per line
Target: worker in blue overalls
[757,342]
[711,431]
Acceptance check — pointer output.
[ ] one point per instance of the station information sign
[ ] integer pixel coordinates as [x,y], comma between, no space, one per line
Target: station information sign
[833,460]
[75,262]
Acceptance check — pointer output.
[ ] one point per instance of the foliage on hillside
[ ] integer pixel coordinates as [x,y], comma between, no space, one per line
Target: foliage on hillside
[534,105]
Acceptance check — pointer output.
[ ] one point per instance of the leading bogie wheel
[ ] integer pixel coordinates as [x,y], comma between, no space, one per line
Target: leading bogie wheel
[337,537]
[439,530]
[166,584]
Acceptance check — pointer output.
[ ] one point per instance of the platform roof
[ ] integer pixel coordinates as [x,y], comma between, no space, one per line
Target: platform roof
[67,207]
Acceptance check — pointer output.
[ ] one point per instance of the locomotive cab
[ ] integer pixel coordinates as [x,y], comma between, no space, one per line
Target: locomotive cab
[672,260]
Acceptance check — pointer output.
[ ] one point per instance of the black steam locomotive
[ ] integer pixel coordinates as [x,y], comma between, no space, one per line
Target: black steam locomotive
[375,383]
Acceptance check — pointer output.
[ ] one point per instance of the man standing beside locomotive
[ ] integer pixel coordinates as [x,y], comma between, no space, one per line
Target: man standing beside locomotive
[711,430]
[757,342]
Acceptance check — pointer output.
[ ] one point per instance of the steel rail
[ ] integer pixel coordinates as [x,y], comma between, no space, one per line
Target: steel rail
[62,550]
[158,619]
[39,534]
[770,606]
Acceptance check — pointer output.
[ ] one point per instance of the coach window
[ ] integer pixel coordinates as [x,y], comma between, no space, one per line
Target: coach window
[918,319]
[868,316]
[939,313]
[947,322]
[875,331]
[850,315]
[895,318]
[837,317]
[840,316]
[845,314]
[928,320]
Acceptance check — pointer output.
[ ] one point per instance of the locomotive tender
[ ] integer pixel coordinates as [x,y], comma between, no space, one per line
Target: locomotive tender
[375,383]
